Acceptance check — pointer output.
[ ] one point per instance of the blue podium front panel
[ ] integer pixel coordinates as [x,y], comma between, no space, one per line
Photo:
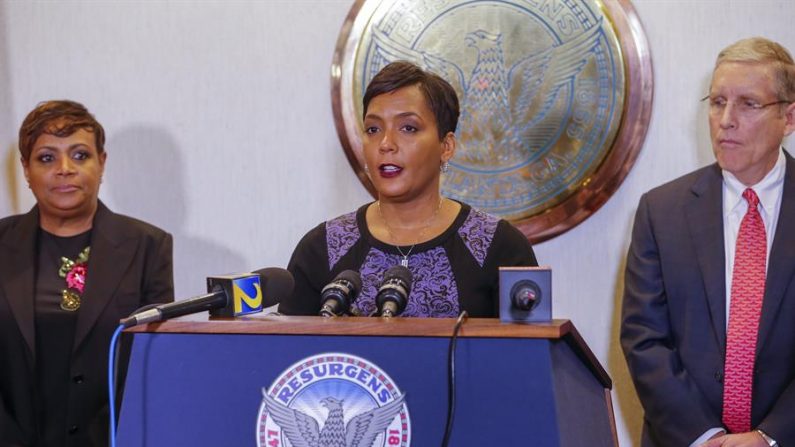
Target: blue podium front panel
[207,389]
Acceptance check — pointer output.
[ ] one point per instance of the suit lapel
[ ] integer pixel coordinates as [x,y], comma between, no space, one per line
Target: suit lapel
[781,264]
[111,254]
[18,267]
[704,213]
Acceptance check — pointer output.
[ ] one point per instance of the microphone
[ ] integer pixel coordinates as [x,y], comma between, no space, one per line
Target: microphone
[274,284]
[339,294]
[525,295]
[277,284]
[229,296]
[393,293]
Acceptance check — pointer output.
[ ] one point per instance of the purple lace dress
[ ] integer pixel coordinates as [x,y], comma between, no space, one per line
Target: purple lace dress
[455,271]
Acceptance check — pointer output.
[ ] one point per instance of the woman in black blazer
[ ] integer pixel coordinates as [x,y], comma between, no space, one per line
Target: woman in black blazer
[69,270]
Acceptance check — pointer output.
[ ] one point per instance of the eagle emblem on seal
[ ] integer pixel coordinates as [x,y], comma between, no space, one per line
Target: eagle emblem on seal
[304,431]
[504,109]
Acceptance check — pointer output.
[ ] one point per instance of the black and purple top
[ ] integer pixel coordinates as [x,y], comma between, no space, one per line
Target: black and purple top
[457,270]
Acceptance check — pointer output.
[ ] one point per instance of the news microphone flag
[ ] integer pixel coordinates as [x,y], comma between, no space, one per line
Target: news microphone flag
[244,290]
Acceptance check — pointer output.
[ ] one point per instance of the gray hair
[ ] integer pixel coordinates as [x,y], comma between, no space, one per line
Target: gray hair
[764,51]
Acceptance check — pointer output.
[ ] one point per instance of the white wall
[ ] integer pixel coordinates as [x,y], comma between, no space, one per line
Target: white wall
[7,167]
[220,130]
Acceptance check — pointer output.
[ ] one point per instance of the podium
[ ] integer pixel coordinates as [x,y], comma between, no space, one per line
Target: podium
[199,381]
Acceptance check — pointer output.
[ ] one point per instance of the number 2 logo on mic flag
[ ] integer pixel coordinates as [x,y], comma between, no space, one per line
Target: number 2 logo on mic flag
[247,295]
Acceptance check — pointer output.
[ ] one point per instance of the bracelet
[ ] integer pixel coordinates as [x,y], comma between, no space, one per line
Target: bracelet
[770,441]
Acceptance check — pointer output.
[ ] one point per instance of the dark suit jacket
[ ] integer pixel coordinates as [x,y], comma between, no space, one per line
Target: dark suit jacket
[130,266]
[673,328]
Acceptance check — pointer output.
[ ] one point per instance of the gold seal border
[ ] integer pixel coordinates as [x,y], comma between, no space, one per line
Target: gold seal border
[595,190]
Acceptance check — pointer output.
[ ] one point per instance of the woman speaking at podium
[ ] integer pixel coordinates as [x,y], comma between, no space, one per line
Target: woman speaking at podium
[452,250]
[69,270]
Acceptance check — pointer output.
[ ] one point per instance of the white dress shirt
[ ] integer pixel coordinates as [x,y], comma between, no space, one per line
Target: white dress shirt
[769,190]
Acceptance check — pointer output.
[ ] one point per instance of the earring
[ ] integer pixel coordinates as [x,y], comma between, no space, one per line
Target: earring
[445,167]
[366,170]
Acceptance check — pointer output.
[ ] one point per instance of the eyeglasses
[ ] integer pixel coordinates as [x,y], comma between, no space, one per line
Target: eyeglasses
[743,106]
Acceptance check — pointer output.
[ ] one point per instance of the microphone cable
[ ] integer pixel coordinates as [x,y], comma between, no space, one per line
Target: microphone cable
[448,430]
[112,367]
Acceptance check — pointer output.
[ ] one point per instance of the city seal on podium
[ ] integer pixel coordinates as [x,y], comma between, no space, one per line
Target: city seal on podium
[333,400]
[555,97]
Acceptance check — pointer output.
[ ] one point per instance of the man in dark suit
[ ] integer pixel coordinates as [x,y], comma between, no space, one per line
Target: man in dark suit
[708,326]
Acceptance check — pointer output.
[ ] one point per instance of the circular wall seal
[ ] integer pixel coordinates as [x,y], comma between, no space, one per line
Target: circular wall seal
[555,97]
[333,399]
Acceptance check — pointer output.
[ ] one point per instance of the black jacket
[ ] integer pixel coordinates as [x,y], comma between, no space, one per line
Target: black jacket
[130,266]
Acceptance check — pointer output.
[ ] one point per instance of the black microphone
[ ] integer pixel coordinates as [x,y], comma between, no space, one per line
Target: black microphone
[277,284]
[525,295]
[229,296]
[338,295]
[393,293]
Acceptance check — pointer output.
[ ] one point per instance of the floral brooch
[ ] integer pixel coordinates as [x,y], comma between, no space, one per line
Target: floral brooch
[75,274]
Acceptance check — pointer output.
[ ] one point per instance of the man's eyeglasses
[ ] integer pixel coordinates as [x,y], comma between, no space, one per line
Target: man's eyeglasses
[743,106]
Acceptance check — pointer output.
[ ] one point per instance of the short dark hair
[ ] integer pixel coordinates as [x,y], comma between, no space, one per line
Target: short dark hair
[439,94]
[60,118]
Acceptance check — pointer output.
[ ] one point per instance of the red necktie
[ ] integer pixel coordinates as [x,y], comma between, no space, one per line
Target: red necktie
[748,288]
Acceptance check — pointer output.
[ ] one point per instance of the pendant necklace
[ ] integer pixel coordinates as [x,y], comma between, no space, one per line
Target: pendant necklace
[404,257]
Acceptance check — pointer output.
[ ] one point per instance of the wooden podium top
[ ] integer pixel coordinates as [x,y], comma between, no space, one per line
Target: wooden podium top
[396,327]
[274,324]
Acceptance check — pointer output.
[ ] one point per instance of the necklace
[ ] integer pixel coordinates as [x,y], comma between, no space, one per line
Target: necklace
[74,272]
[404,257]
